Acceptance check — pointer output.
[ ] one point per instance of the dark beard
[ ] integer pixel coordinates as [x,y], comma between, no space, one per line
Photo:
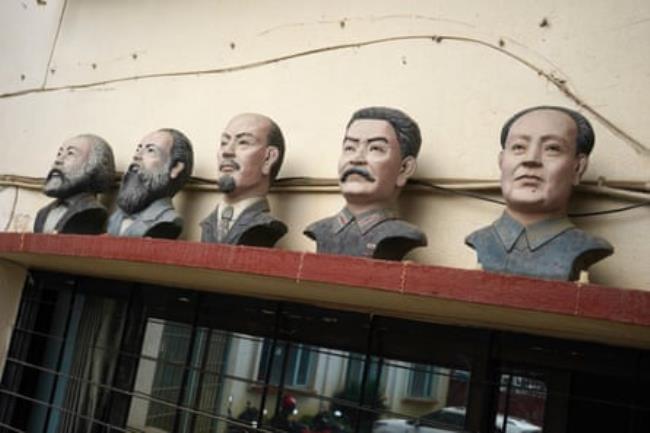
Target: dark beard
[226,184]
[141,188]
[63,185]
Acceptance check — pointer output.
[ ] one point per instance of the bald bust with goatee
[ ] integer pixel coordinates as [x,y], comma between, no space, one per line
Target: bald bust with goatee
[84,167]
[162,164]
[249,157]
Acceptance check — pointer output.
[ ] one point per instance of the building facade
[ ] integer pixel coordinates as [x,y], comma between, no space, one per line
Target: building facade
[110,334]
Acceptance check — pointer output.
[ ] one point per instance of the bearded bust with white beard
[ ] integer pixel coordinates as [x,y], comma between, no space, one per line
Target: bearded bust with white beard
[84,166]
[162,164]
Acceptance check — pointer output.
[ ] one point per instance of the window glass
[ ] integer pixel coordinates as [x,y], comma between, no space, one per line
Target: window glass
[521,404]
[422,398]
[297,361]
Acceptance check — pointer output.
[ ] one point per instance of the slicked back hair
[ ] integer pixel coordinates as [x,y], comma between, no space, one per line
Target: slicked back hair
[406,129]
[101,164]
[275,139]
[181,151]
[585,137]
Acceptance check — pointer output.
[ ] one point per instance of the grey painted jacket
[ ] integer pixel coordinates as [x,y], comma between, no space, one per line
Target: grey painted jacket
[158,220]
[552,249]
[254,227]
[377,234]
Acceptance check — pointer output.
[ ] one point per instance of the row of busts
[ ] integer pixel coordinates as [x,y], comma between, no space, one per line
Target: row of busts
[544,152]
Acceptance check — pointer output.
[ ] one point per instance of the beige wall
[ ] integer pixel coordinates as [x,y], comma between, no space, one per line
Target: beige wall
[12,279]
[460,90]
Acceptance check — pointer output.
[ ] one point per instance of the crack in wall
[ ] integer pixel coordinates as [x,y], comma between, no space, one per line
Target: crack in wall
[54,44]
[559,83]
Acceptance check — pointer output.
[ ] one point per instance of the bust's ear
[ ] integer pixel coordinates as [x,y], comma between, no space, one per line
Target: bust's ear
[270,158]
[406,170]
[582,161]
[176,169]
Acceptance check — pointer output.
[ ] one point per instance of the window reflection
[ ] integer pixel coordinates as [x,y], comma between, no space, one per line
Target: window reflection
[521,404]
[423,398]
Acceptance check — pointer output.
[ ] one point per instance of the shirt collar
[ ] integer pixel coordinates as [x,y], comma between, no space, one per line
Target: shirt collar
[241,206]
[536,234]
[365,221]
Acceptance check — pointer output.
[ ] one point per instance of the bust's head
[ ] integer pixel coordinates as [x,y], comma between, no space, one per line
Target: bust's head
[161,165]
[249,156]
[378,157]
[544,154]
[83,163]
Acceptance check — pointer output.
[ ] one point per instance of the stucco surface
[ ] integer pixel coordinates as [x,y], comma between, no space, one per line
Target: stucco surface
[120,69]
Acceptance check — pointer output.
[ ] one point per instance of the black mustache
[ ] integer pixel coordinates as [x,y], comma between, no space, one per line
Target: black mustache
[357,170]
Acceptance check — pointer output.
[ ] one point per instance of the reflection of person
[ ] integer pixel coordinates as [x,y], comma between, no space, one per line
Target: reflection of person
[162,164]
[84,166]
[249,157]
[378,157]
[545,151]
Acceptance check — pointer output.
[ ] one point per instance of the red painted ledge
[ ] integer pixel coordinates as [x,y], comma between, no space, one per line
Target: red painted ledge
[624,306]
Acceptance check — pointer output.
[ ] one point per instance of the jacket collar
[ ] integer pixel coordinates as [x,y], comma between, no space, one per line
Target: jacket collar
[364,221]
[538,234]
[153,211]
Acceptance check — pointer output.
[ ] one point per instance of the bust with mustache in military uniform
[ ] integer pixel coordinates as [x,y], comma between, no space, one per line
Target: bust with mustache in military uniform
[378,157]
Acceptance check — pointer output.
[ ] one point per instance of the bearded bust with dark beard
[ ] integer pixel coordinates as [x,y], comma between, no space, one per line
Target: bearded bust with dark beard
[84,166]
[140,188]
[162,164]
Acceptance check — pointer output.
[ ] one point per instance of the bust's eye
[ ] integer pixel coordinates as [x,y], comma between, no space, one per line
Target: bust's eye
[553,148]
[518,147]
[377,148]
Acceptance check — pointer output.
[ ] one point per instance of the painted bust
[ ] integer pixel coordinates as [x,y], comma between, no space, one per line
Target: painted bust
[249,157]
[84,166]
[545,152]
[162,164]
[378,157]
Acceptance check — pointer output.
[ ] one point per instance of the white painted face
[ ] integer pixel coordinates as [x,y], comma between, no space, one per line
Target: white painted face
[153,152]
[539,164]
[245,156]
[69,168]
[371,168]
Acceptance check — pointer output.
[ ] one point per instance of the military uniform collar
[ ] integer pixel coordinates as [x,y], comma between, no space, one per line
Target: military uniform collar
[538,234]
[365,221]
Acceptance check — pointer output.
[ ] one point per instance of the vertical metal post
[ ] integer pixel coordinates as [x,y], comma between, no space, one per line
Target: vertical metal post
[364,376]
[269,364]
[59,361]
[187,367]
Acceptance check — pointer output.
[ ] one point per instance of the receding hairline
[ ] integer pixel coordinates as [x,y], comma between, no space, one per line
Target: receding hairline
[266,122]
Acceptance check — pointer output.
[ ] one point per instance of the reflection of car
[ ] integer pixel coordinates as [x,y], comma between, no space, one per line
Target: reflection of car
[446,420]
